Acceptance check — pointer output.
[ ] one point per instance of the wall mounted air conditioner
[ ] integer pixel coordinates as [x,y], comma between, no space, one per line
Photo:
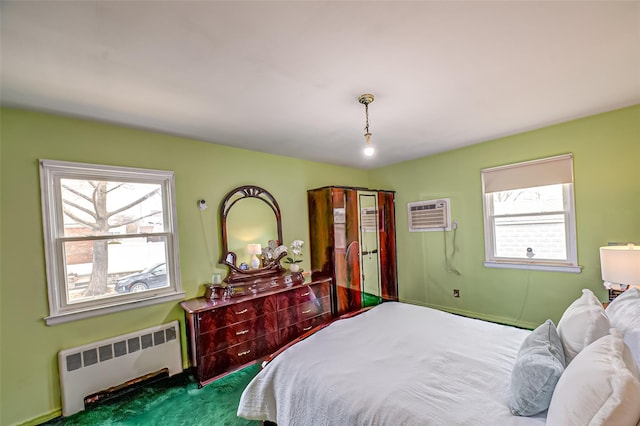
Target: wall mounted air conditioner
[369,219]
[431,215]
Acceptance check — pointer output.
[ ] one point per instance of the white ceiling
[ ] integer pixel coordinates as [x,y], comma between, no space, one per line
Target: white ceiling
[284,77]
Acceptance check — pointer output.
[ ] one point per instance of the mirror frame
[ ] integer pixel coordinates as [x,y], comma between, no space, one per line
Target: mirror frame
[228,257]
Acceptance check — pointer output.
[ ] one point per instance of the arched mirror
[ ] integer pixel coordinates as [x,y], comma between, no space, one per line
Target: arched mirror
[251,234]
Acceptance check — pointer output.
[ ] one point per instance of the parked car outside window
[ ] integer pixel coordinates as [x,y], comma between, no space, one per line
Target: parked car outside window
[152,277]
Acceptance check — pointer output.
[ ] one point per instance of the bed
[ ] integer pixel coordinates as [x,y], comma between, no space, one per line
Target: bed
[401,364]
[396,364]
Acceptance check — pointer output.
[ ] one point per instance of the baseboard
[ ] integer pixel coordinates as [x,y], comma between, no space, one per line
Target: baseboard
[43,418]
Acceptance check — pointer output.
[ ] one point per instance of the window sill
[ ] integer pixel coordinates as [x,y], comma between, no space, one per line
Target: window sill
[534,267]
[62,318]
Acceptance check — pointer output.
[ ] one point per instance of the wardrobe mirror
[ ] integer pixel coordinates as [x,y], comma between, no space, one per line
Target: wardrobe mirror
[369,247]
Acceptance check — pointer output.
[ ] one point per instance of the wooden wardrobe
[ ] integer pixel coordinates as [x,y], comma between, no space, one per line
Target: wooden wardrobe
[353,240]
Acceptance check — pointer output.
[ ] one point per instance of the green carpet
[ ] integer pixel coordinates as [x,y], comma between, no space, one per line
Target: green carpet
[172,401]
[370,300]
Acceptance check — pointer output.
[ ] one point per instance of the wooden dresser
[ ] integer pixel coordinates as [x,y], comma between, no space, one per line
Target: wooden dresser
[230,333]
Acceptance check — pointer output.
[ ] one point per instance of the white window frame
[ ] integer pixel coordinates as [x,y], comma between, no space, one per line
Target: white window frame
[60,311]
[531,174]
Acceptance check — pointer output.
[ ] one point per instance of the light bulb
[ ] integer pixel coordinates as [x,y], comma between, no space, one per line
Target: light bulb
[369,150]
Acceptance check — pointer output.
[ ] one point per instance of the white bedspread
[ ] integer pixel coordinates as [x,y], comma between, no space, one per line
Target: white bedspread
[397,364]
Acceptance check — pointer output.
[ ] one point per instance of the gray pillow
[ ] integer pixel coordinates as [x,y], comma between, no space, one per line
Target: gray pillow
[539,365]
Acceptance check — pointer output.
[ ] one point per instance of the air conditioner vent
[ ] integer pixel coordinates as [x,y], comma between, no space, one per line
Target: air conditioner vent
[432,215]
[369,219]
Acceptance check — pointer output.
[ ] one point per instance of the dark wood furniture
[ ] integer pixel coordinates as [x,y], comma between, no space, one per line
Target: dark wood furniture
[334,226]
[612,295]
[230,333]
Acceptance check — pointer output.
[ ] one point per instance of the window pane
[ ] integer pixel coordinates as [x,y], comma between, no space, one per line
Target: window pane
[100,207]
[529,200]
[99,269]
[544,234]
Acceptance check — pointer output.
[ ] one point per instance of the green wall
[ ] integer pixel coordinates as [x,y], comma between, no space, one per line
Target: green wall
[606,152]
[29,382]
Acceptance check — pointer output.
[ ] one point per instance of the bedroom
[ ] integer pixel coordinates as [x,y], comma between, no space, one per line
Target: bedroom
[605,147]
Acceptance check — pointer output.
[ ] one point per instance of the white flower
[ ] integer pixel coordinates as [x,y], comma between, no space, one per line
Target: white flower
[296,250]
[296,247]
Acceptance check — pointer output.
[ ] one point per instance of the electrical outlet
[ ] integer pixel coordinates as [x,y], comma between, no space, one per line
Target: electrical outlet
[456,292]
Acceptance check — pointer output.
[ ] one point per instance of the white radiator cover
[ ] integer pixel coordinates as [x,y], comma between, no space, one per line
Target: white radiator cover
[87,369]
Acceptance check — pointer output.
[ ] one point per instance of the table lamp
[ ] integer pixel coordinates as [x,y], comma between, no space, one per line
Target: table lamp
[254,249]
[620,266]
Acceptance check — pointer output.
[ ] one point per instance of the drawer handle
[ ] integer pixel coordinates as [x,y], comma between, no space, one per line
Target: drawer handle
[307,328]
[244,353]
[306,294]
[240,333]
[244,311]
[307,311]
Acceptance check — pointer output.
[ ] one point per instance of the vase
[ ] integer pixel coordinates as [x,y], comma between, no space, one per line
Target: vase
[294,267]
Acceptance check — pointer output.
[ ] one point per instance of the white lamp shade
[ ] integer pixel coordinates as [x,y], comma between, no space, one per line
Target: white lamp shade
[254,248]
[621,264]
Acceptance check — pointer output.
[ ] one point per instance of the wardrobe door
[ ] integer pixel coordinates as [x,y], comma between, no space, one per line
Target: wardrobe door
[321,243]
[333,231]
[347,250]
[387,232]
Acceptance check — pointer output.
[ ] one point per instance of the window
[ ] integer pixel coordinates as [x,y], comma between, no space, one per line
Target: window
[529,217]
[110,238]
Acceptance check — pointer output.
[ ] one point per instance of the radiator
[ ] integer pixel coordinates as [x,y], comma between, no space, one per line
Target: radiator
[87,369]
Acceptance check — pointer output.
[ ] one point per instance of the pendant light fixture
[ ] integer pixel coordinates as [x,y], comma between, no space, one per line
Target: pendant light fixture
[366,99]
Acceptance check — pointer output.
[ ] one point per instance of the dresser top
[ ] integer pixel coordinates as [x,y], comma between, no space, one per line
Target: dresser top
[251,291]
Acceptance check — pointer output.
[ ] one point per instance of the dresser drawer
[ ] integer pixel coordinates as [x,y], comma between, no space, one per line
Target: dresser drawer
[223,337]
[243,311]
[304,311]
[222,361]
[291,332]
[303,294]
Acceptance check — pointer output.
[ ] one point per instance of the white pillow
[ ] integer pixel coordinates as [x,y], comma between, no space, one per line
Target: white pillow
[624,311]
[600,387]
[632,339]
[624,315]
[583,322]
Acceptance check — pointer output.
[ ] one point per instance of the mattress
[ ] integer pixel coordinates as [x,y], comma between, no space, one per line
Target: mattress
[396,364]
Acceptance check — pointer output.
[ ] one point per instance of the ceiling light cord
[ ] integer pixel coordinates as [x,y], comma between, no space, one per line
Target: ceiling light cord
[366,112]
